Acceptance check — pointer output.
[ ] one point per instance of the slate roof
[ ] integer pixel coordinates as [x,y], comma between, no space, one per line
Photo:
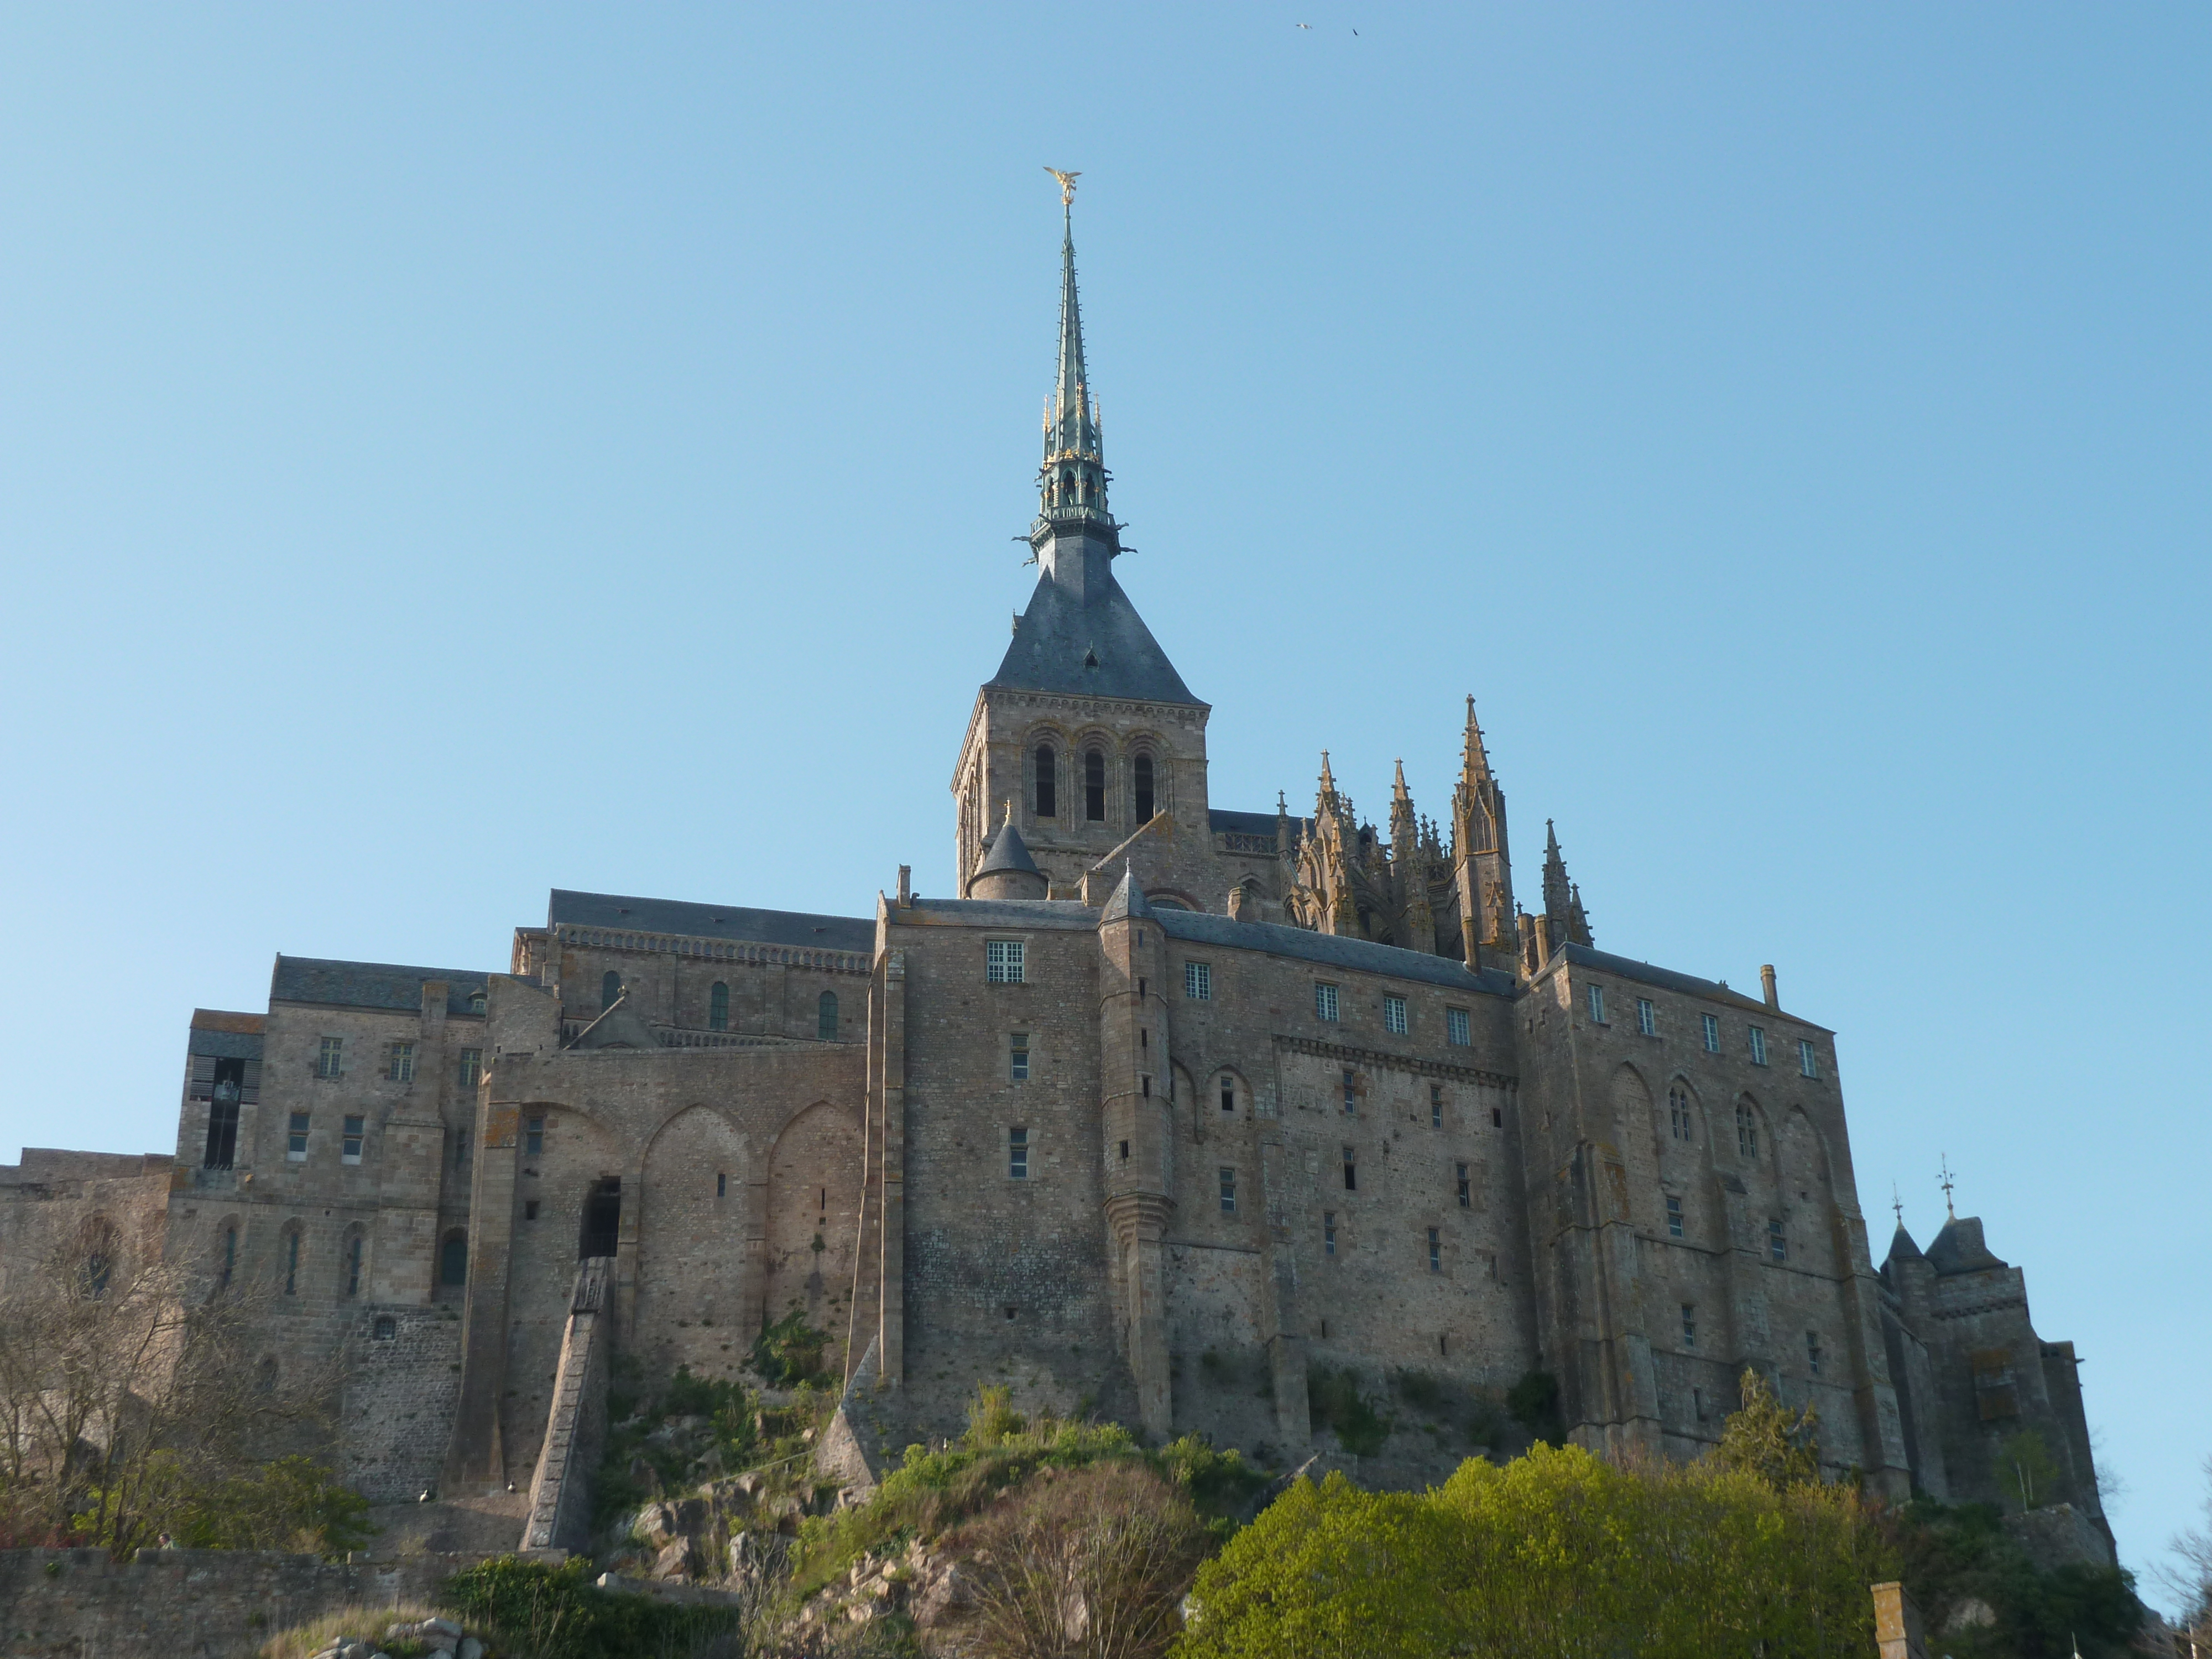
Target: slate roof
[1008,851]
[1128,901]
[1246,823]
[1667,978]
[1059,630]
[1958,1249]
[730,922]
[1331,950]
[369,984]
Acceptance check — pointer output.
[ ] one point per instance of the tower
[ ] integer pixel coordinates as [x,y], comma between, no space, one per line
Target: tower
[1086,727]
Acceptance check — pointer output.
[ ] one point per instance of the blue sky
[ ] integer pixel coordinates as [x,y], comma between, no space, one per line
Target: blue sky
[447,453]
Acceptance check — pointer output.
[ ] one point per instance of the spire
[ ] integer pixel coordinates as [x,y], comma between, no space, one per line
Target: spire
[1072,481]
[1475,766]
[1405,827]
[1563,900]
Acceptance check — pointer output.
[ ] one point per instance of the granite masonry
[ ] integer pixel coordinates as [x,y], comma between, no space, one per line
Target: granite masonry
[1164,1112]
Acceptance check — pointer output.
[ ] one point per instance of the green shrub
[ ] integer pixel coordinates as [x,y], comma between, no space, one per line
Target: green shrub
[1334,1401]
[789,1353]
[557,1613]
[1534,1403]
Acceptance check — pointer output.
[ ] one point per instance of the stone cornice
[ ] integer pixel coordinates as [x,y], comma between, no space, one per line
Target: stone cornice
[745,953]
[1376,1057]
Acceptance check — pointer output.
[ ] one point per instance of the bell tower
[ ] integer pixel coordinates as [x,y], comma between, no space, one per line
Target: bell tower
[1086,728]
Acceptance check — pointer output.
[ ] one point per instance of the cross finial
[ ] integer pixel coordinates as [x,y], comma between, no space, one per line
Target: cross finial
[1944,1179]
[1896,1204]
[1066,185]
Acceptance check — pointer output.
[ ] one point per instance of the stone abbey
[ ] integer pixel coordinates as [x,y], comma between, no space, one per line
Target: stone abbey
[1172,1109]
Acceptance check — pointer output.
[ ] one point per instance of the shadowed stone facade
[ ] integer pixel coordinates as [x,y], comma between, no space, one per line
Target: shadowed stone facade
[1167,1110]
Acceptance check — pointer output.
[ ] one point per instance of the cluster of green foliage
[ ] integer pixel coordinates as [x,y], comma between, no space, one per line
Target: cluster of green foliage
[788,1354]
[1950,1555]
[1557,1552]
[931,1492]
[354,1624]
[734,1429]
[1334,1401]
[1534,1403]
[558,1612]
[291,1504]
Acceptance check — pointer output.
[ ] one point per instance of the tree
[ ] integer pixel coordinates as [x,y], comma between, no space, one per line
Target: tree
[2189,1574]
[133,1401]
[1767,1442]
[2027,1462]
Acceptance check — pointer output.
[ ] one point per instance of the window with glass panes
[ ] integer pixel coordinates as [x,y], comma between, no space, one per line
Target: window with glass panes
[1003,961]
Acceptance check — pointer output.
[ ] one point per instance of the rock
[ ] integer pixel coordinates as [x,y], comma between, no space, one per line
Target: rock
[674,1560]
[435,1628]
[656,1523]
[470,1647]
[944,1597]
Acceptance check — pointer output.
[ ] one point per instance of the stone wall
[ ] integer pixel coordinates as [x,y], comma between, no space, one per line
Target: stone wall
[403,1380]
[218,1604]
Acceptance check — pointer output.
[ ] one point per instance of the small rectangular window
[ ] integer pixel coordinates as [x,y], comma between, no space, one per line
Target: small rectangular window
[530,1209]
[1124,1152]
[1228,1093]
[1228,1191]
[1689,1325]
[1198,980]
[332,1057]
[402,1069]
[296,1149]
[1456,1028]
[1002,962]
[1393,1016]
[1436,1250]
[1465,1189]
[1436,1105]
[1018,1057]
[1808,1060]
[1597,1004]
[721,1183]
[533,1136]
[1351,1171]
[1497,1117]
[1712,1033]
[470,1072]
[1647,1017]
[1325,1002]
[352,1131]
[1758,1047]
[1350,1092]
[1329,1232]
[1778,1246]
[1018,1154]
[1813,1352]
[1673,1216]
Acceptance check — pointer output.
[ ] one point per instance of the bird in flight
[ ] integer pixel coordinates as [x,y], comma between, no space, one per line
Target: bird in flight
[1301,26]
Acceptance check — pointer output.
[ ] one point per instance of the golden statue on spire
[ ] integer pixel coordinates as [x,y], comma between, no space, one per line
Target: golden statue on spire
[1067,185]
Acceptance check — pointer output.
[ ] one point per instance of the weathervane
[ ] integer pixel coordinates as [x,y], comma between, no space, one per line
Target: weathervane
[1066,185]
[1944,1179]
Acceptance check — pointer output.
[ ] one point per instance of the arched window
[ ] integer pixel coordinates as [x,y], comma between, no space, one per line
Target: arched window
[1094,785]
[98,1269]
[453,1259]
[1747,1130]
[1048,782]
[825,1016]
[353,1267]
[1678,1112]
[1144,788]
[717,1007]
[610,988]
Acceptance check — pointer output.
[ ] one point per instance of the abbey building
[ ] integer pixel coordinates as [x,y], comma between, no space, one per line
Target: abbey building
[1174,1110]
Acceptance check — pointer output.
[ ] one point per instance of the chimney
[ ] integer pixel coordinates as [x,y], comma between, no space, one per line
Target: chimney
[1766,983]
[906,885]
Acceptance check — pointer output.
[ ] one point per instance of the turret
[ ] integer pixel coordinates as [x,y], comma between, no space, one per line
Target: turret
[1007,870]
